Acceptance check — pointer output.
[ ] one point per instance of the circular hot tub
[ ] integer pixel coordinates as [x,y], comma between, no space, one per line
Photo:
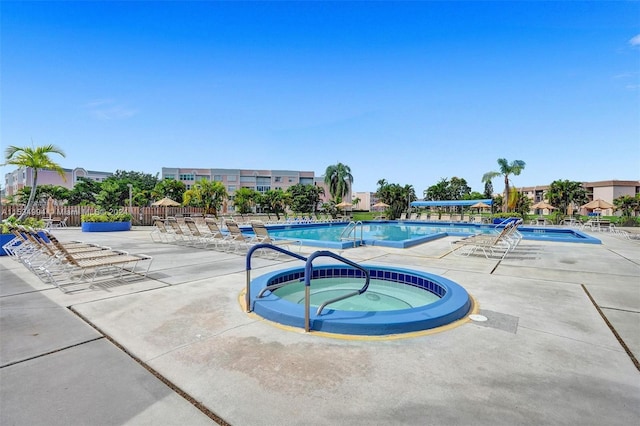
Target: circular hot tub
[397,300]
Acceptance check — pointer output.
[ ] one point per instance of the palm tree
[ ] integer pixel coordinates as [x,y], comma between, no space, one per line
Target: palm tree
[562,193]
[338,178]
[36,158]
[506,169]
[207,194]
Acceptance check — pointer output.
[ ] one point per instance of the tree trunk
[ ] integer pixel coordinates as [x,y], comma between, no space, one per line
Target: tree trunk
[32,197]
[505,200]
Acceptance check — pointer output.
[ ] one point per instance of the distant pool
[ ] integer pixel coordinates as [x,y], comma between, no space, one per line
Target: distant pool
[407,234]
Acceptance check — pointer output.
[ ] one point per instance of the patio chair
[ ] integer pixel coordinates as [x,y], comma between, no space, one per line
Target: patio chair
[180,237]
[217,237]
[160,233]
[262,237]
[237,240]
[489,244]
[73,268]
[197,238]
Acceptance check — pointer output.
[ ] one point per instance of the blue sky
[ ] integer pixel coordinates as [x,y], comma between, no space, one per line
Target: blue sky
[411,92]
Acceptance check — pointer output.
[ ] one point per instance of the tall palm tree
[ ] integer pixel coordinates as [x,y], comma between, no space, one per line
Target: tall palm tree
[506,169]
[338,178]
[36,158]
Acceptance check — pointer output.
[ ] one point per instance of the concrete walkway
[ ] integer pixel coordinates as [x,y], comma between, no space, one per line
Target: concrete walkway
[560,345]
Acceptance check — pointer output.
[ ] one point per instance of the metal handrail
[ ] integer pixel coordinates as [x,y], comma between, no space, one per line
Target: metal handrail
[352,227]
[308,269]
[347,230]
[247,295]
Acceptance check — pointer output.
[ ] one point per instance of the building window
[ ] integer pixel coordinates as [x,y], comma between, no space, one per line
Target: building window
[263,188]
[231,188]
[277,179]
[231,178]
[187,176]
[217,178]
[169,176]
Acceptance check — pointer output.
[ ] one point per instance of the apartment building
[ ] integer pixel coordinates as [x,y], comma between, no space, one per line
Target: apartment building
[23,176]
[606,190]
[258,180]
[366,200]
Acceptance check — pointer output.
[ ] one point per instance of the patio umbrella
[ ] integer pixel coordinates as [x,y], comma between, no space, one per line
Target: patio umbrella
[480,205]
[51,207]
[343,205]
[380,205]
[166,202]
[543,205]
[598,203]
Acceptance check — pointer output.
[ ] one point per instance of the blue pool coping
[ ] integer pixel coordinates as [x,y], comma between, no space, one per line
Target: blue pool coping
[454,304]
[565,235]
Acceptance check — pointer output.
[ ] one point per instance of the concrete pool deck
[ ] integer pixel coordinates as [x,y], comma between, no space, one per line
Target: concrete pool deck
[560,345]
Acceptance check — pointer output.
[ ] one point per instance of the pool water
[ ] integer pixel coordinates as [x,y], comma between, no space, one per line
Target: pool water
[370,231]
[404,235]
[380,296]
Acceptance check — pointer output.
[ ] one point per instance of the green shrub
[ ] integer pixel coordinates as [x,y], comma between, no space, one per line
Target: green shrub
[506,215]
[30,222]
[628,221]
[107,217]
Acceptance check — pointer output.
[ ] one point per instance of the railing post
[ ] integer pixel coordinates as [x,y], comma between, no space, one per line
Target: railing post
[247,295]
[307,308]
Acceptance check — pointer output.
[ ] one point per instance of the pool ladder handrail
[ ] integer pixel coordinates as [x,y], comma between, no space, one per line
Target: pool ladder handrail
[247,294]
[308,270]
[351,227]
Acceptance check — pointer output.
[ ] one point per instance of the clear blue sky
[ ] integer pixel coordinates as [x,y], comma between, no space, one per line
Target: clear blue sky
[411,92]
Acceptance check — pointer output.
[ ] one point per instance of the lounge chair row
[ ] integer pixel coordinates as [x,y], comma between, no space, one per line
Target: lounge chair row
[444,217]
[231,239]
[73,265]
[271,219]
[497,244]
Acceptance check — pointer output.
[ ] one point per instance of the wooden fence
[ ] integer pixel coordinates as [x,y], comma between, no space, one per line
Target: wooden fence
[142,216]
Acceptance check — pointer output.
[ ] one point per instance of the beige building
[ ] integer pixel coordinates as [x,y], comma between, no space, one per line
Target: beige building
[366,201]
[258,180]
[607,190]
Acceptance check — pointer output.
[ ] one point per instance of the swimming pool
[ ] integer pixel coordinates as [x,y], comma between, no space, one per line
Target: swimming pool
[423,301]
[407,234]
